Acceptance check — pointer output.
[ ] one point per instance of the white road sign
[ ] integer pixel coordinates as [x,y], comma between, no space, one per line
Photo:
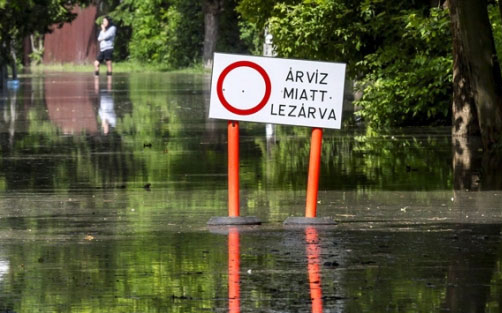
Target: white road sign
[277,91]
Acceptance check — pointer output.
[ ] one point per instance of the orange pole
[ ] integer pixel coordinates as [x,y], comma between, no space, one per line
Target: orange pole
[234,297]
[233,169]
[314,165]
[313,254]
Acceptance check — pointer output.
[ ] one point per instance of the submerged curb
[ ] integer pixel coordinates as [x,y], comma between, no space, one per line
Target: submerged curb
[309,221]
[234,220]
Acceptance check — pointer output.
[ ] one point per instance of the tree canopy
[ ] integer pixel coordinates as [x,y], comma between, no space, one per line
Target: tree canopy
[398,52]
[21,18]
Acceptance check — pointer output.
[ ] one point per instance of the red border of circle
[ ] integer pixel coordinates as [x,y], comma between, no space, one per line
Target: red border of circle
[264,75]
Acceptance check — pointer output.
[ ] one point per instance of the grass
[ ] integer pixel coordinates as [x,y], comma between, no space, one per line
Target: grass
[118,67]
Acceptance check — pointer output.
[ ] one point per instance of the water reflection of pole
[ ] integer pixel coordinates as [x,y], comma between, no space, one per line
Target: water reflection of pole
[13,118]
[268,51]
[234,297]
[269,137]
[313,257]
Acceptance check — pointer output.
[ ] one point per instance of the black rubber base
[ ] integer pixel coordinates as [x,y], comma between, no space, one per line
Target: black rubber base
[237,220]
[309,221]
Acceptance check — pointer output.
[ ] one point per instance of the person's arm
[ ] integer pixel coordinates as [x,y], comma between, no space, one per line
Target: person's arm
[107,34]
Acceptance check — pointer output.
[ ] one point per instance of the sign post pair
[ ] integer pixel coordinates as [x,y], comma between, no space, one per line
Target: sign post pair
[275,91]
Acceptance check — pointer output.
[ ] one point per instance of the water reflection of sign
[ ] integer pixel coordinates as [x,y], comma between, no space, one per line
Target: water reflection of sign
[277,91]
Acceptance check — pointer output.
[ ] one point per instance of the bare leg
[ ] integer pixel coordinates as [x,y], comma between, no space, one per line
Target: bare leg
[105,126]
[96,67]
[109,66]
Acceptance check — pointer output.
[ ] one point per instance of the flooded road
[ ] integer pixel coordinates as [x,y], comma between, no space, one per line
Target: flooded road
[107,185]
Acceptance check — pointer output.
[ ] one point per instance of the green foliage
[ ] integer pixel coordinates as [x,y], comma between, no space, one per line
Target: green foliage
[410,83]
[229,39]
[255,15]
[256,11]
[398,52]
[496,22]
[252,36]
[168,32]
[21,18]
[25,17]
[171,32]
[313,31]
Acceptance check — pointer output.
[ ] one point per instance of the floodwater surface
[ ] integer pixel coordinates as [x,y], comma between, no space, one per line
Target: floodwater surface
[107,185]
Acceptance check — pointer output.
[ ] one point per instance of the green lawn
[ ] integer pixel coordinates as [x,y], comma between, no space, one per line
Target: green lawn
[118,67]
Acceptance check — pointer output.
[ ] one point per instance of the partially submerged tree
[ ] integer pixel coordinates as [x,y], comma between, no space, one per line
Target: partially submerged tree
[477,81]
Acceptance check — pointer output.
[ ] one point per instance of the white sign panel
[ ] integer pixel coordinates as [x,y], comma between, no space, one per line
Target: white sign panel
[277,91]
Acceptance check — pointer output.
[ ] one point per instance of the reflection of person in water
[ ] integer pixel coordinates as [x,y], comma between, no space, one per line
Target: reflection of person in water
[106,106]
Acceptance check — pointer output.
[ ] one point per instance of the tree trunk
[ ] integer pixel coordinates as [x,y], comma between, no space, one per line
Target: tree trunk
[3,75]
[477,82]
[4,62]
[212,9]
[466,163]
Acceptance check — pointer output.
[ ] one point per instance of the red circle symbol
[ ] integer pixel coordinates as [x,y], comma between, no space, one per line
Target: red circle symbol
[256,67]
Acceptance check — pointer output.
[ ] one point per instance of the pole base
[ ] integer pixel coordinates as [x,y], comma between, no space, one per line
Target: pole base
[309,221]
[234,220]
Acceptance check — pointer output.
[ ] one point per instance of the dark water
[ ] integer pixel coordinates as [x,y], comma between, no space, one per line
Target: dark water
[106,187]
